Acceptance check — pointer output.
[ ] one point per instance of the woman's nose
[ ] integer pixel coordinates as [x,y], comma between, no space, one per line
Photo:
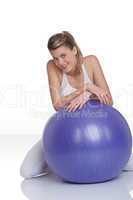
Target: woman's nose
[61,61]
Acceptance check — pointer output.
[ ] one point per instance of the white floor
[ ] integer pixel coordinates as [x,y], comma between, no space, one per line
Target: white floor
[12,151]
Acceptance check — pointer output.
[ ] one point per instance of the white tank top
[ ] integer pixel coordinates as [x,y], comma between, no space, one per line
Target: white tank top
[66,88]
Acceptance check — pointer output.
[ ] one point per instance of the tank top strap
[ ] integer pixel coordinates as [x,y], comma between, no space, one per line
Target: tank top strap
[86,76]
[64,80]
[66,88]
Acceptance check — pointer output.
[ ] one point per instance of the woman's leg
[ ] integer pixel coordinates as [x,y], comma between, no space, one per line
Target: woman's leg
[34,163]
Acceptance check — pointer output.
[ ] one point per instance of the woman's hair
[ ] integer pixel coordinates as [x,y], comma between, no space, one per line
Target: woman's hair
[64,39]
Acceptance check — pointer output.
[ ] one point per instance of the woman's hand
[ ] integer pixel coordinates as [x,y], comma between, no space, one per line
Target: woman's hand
[78,102]
[102,95]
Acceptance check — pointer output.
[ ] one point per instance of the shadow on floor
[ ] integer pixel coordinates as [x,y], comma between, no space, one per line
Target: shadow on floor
[51,187]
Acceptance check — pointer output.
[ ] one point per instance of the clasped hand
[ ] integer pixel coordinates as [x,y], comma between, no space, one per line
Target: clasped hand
[103,95]
[78,102]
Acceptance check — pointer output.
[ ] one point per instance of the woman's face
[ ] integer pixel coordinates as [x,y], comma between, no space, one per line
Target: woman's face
[64,58]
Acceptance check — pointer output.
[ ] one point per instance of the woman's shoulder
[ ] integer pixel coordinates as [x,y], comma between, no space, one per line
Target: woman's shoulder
[88,62]
[51,64]
[51,67]
[90,58]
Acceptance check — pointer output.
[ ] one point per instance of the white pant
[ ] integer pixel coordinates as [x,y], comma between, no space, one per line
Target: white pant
[35,165]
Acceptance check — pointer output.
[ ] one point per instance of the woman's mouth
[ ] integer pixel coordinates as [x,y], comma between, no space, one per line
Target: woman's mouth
[64,67]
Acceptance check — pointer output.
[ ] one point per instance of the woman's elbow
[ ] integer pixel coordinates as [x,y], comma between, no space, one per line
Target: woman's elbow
[58,105]
[56,108]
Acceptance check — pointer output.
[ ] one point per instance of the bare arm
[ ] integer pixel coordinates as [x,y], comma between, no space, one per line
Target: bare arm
[98,76]
[58,102]
[68,98]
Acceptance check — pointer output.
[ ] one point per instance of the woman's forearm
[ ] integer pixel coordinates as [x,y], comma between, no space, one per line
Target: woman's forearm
[90,87]
[67,99]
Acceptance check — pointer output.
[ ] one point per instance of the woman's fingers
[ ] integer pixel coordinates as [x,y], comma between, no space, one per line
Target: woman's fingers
[107,99]
[81,105]
[69,107]
[82,99]
[75,107]
[100,98]
[72,107]
[110,99]
[104,98]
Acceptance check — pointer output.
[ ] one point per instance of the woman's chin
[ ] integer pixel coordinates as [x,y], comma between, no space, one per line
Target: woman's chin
[67,69]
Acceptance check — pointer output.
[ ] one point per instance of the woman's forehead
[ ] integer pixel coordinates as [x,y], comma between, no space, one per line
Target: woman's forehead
[60,50]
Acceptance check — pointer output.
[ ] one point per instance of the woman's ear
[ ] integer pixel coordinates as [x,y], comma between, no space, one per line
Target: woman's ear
[75,50]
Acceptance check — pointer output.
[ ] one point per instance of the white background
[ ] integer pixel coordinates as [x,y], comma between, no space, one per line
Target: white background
[102,28]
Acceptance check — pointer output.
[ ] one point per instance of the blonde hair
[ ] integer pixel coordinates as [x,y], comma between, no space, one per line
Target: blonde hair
[64,39]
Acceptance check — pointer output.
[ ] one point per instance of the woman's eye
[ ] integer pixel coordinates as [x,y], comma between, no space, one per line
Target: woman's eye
[63,56]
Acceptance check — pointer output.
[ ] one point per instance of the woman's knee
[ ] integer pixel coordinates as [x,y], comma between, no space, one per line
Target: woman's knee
[34,163]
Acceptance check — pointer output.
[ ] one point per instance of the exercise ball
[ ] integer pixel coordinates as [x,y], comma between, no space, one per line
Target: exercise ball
[90,145]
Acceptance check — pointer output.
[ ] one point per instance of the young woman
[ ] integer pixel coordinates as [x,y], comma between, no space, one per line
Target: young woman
[73,80]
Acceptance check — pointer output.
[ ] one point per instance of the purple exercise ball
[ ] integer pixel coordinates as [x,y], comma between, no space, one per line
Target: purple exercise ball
[90,145]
